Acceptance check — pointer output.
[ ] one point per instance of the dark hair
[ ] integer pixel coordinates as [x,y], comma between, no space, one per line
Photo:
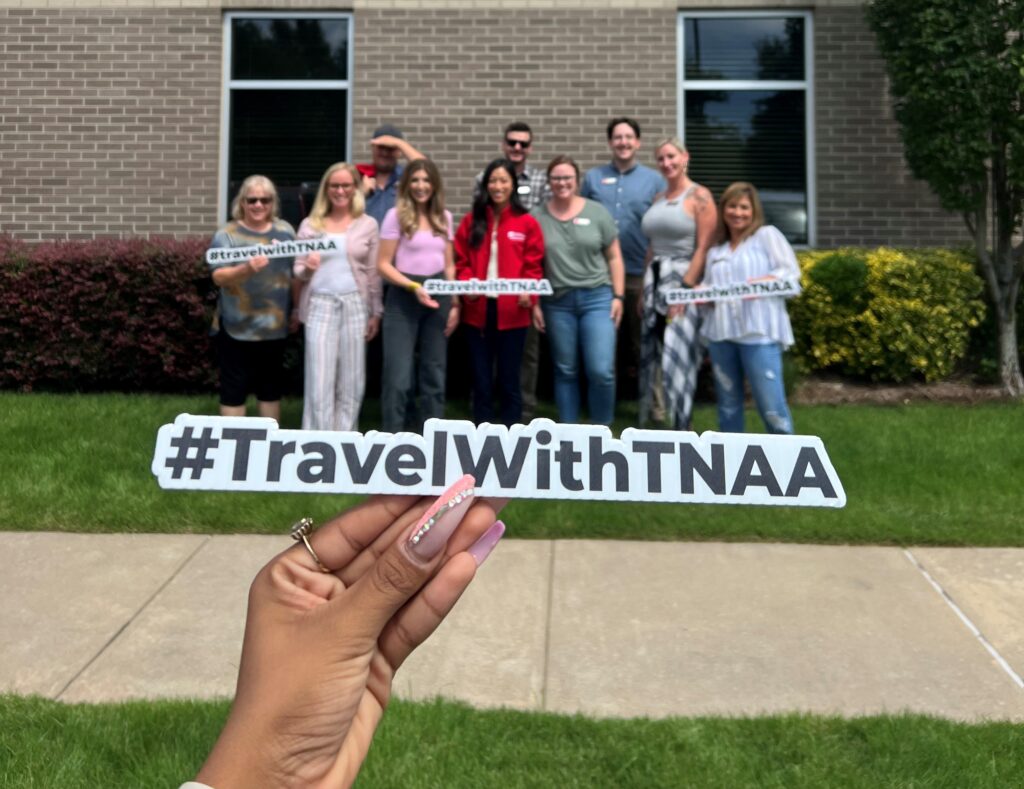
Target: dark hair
[483,200]
[519,126]
[563,159]
[628,121]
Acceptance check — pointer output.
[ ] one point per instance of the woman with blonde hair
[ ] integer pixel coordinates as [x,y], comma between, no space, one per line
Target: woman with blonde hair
[416,245]
[339,296]
[680,225]
[746,338]
[253,306]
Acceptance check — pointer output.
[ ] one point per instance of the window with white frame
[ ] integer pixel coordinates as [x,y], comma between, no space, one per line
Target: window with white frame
[746,109]
[287,102]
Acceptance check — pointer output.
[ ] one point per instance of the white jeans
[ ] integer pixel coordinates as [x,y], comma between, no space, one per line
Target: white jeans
[335,376]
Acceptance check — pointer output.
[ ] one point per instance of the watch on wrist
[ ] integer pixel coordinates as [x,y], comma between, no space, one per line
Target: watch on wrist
[618,296]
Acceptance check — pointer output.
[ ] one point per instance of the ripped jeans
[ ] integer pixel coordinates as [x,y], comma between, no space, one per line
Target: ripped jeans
[762,366]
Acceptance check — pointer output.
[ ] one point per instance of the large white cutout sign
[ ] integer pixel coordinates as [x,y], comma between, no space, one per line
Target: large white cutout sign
[542,460]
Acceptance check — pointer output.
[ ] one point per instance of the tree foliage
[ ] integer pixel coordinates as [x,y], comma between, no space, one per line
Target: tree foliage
[956,72]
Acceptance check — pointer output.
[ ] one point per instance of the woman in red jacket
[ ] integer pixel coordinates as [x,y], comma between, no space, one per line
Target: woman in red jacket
[498,240]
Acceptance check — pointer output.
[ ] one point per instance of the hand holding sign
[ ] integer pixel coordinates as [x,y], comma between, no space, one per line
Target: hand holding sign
[321,648]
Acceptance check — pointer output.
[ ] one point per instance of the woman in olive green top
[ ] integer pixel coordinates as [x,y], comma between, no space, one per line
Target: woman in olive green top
[584,265]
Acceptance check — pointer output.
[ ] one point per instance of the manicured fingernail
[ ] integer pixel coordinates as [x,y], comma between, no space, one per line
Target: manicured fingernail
[482,548]
[431,533]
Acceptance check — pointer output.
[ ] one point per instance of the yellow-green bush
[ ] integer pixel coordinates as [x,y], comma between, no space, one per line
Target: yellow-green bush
[886,314]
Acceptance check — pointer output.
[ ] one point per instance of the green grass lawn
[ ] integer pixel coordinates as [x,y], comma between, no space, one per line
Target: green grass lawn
[445,744]
[915,474]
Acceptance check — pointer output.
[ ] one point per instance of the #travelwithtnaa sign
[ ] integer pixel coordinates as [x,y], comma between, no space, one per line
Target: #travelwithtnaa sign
[488,287]
[541,460]
[734,291]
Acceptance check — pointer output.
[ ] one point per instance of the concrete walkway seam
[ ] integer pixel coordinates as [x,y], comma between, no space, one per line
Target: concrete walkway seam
[132,618]
[547,627]
[966,620]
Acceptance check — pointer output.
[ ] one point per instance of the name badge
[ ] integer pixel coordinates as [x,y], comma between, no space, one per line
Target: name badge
[581,220]
[514,236]
[524,189]
[609,181]
[671,202]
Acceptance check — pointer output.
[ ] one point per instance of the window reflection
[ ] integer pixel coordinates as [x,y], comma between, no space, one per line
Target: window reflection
[744,48]
[289,49]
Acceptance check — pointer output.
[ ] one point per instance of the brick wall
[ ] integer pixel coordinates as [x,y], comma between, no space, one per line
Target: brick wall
[866,194]
[109,121]
[452,80]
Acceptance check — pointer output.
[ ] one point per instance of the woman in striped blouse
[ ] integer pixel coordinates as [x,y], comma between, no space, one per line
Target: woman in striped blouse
[746,338]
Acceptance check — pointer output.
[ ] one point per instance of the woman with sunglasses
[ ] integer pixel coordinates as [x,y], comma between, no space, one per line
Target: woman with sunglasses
[339,301]
[498,239]
[416,245]
[254,305]
[583,262]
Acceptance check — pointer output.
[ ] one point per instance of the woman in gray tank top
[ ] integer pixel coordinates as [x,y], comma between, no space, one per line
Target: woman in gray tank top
[680,225]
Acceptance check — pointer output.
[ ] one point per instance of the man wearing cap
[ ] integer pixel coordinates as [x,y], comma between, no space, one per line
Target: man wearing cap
[516,145]
[380,179]
[626,188]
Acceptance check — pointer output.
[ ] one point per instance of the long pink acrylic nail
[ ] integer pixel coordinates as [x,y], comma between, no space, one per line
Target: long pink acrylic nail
[431,532]
[482,548]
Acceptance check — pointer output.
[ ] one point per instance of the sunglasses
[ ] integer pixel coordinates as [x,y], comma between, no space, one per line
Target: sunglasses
[260,200]
[517,143]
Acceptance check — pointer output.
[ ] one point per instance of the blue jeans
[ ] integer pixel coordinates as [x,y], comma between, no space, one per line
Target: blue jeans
[415,352]
[762,366]
[580,320]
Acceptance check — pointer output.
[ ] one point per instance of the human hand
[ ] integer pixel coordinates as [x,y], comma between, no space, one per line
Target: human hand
[538,319]
[258,263]
[425,298]
[372,327]
[452,323]
[616,312]
[294,324]
[321,649]
[675,311]
[369,185]
[387,141]
[525,301]
[312,262]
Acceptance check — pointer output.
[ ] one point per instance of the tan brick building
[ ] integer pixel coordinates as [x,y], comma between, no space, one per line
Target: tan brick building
[134,117]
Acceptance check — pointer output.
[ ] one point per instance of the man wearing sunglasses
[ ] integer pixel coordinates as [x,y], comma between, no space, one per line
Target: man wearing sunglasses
[517,145]
[380,179]
[627,188]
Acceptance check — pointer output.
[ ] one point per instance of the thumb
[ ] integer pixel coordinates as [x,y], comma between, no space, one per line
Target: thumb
[402,570]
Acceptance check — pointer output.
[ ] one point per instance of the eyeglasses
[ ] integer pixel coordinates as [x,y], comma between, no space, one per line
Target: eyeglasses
[260,200]
[517,143]
[341,186]
[561,179]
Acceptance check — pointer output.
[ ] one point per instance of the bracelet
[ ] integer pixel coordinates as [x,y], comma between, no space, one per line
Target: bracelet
[412,287]
[686,286]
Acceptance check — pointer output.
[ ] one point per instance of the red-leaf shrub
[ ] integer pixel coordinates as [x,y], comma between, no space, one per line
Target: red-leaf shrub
[123,315]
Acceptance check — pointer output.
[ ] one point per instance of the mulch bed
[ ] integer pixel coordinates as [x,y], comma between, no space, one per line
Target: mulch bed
[834,391]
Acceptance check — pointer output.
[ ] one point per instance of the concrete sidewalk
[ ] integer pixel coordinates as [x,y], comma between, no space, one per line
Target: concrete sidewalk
[602,628]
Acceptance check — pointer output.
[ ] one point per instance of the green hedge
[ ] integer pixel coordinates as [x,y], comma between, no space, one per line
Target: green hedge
[107,314]
[886,314]
[133,315]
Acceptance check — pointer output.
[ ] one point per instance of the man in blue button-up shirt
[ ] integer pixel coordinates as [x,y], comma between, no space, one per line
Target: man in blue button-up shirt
[627,188]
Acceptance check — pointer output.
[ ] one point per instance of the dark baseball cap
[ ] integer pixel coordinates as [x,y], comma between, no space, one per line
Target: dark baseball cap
[388,129]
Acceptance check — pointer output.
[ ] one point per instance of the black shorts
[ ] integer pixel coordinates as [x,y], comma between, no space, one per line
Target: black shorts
[249,366]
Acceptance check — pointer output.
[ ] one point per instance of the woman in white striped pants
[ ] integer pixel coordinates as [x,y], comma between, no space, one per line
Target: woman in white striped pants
[339,302]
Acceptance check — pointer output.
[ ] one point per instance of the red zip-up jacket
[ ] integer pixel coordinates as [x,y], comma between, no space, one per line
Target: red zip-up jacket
[520,256]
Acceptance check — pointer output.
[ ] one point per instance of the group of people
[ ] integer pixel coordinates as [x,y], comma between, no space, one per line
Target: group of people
[613,243]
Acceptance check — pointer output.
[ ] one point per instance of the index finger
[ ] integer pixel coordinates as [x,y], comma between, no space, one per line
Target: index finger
[347,535]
